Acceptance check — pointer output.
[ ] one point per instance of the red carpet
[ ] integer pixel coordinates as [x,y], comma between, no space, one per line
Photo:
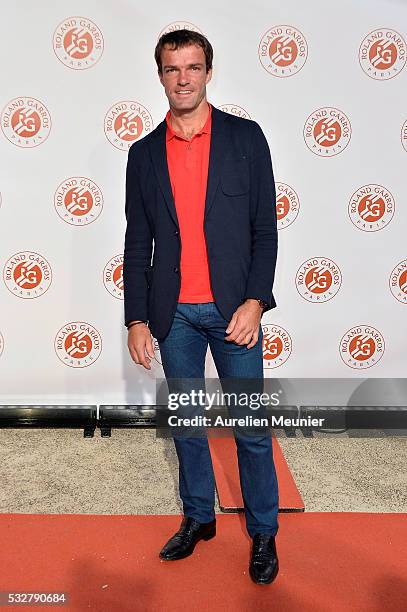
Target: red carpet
[328,562]
[224,459]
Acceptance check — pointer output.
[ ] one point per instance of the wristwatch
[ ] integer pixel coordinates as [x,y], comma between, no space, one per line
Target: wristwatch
[263,304]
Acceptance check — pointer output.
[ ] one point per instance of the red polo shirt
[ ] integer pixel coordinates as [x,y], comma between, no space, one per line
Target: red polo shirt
[188,162]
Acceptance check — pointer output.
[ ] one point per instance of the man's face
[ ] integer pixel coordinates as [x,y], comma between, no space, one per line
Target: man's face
[183,70]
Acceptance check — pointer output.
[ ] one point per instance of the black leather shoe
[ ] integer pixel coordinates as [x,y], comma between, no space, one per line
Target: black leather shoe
[183,542]
[264,561]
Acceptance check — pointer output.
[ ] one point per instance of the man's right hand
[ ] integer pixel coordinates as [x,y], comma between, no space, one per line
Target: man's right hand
[140,344]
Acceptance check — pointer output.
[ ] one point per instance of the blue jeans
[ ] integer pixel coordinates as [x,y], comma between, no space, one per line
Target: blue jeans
[183,354]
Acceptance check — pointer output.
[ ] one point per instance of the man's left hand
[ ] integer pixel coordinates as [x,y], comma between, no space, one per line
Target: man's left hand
[244,325]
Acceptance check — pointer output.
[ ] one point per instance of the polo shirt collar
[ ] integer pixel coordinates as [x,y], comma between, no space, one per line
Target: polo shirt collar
[206,129]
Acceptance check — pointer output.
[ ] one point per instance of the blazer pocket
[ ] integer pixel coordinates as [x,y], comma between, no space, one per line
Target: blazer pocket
[235,178]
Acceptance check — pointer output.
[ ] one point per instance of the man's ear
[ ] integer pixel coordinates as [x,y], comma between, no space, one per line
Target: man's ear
[160,76]
[209,75]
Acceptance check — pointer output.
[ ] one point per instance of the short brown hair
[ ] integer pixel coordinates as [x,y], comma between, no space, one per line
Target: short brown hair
[182,38]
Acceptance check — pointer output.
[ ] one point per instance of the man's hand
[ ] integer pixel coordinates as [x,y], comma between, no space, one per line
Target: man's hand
[244,325]
[140,344]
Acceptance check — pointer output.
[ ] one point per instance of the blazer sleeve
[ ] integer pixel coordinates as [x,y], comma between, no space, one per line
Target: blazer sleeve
[263,222]
[138,245]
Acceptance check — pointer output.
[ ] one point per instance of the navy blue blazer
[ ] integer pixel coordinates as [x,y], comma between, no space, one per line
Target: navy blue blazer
[240,224]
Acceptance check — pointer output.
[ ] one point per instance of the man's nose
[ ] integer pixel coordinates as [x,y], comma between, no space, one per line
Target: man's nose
[182,78]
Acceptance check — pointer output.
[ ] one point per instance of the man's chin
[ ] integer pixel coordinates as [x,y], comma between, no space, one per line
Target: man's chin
[187,104]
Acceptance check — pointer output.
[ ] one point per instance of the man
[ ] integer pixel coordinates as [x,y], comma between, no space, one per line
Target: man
[201,186]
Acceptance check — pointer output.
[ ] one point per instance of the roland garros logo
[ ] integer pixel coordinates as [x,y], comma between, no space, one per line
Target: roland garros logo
[382,54]
[27,274]
[277,346]
[78,344]
[78,200]
[287,205]
[361,347]
[179,25]
[398,282]
[283,51]
[233,109]
[327,131]
[318,279]
[78,43]
[25,122]
[371,208]
[126,122]
[113,276]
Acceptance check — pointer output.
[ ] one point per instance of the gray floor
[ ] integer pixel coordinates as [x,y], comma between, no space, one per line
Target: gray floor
[339,474]
[133,472]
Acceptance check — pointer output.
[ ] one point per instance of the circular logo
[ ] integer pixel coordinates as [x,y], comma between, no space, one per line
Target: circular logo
[1,344]
[179,25]
[25,122]
[318,279]
[371,208]
[78,344]
[361,347]
[283,51]
[327,131]
[233,109]
[404,135]
[78,200]
[27,274]
[382,54]
[78,43]
[287,205]
[277,345]
[126,122]
[398,282]
[113,276]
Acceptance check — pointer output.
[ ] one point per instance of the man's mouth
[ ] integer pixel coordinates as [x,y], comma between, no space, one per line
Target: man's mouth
[184,92]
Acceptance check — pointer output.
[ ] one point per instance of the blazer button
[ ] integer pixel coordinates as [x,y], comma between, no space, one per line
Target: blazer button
[175,269]
[176,232]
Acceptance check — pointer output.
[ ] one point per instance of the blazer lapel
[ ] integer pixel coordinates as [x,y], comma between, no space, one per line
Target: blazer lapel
[158,153]
[216,154]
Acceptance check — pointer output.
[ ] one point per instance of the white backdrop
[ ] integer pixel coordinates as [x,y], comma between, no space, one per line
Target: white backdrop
[326,82]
